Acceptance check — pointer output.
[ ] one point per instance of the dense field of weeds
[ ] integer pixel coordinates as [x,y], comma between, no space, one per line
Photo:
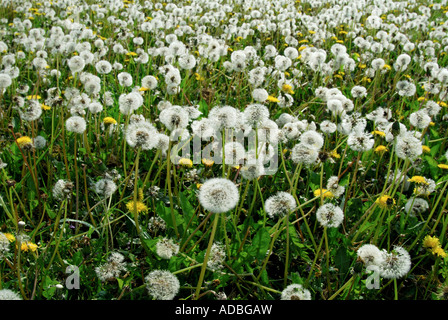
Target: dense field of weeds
[228,149]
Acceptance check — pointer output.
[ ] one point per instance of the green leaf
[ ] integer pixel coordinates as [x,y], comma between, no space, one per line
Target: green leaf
[203,107]
[260,244]
[77,258]
[120,283]
[432,166]
[187,208]
[165,214]
[342,260]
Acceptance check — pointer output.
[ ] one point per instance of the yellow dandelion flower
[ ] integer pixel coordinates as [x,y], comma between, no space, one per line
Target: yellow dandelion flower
[136,205]
[385,202]
[386,66]
[109,120]
[302,48]
[420,99]
[273,99]
[144,89]
[24,141]
[335,154]
[45,107]
[431,242]
[381,149]
[432,124]
[186,162]
[366,79]
[10,237]
[199,77]
[132,54]
[418,180]
[442,104]
[426,149]
[28,246]
[198,185]
[379,133]
[207,162]
[439,252]
[324,193]
[312,32]
[33,97]
[443,166]
[287,88]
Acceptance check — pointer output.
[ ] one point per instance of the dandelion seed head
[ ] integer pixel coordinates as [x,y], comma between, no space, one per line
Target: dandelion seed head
[329,215]
[162,285]
[218,195]
[295,292]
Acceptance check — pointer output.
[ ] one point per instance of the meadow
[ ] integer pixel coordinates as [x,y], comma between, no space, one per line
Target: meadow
[223,150]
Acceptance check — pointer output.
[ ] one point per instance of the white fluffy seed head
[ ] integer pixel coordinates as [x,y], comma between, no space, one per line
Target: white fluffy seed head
[304,154]
[329,215]
[295,292]
[280,204]
[166,248]
[162,284]
[174,117]
[369,254]
[218,195]
[395,264]
[312,139]
[7,294]
[76,124]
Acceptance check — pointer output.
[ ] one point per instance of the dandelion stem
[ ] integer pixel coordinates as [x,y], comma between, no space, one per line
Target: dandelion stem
[207,255]
[170,194]
[137,225]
